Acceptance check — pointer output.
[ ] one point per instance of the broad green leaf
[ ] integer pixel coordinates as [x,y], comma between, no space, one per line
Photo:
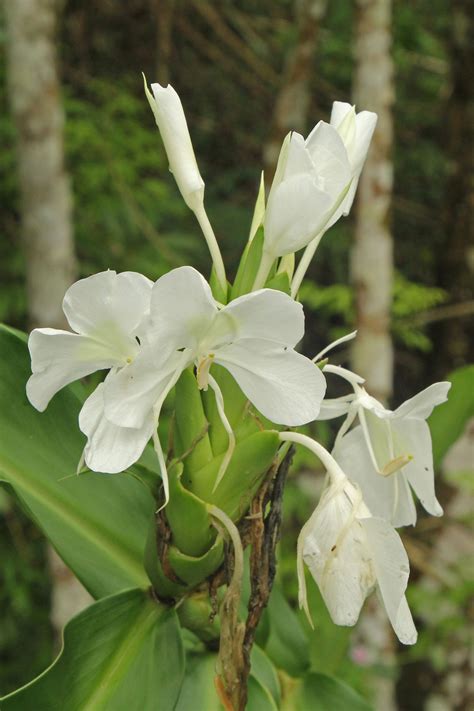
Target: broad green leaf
[318,692]
[287,645]
[98,523]
[123,653]
[448,420]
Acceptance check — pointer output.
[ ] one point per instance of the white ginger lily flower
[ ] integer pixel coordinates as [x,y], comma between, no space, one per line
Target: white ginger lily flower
[109,313]
[310,181]
[356,131]
[391,451]
[253,337]
[349,553]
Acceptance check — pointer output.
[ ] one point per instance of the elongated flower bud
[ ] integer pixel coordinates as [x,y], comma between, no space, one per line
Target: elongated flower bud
[171,121]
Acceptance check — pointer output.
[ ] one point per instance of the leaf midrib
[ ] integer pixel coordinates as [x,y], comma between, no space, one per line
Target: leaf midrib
[63,509]
[122,658]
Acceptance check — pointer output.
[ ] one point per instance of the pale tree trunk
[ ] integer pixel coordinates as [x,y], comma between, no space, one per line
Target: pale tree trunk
[372,257]
[372,268]
[44,185]
[45,200]
[293,99]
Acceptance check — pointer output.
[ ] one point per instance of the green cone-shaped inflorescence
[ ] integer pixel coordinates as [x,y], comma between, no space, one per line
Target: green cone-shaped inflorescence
[184,546]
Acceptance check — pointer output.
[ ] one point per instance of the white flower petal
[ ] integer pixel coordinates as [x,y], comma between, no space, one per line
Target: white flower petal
[108,306]
[423,404]
[387,497]
[335,552]
[338,112]
[296,210]
[267,314]
[365,127]
[392,569]
[171,121]
[283,385]
[131,394]
[58,358]
[331,408]
[413,436]
[298,159]
[182,307]
[329,158]
[110,448]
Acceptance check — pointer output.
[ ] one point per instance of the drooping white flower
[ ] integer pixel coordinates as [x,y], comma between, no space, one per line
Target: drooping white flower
[110,314]
[253,337]
[350,553]
[356,131]
[310,181]
[391,451]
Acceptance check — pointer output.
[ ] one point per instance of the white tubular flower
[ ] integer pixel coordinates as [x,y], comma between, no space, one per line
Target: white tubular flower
[171,121]
[349,553]
[253,337]
[110,314]
[356,130]
[309,184]
[390,451]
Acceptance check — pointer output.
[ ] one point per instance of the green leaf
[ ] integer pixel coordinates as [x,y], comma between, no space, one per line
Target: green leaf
[198,690]
[98,523]
[287,645]
[280,282]
[319,692]
[448,421]
[265,672]
[248,266]
[259,697]
[124,653]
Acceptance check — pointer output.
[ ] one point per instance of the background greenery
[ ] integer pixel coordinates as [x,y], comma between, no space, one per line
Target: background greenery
[128,214]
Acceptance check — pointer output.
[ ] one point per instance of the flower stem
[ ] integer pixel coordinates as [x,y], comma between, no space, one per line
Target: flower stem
[332,467]
[263,270]
[211,240]
[305,261]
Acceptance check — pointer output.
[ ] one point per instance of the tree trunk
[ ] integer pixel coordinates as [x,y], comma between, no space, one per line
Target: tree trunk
[372,268]
[456,268]
[372,257]
[292,103]
[45,202]
[44,185]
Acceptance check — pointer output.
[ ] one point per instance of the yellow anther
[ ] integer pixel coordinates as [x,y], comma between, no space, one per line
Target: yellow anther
[396,464]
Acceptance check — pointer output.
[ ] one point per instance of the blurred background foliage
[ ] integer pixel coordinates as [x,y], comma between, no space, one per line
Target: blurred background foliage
[128,215]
